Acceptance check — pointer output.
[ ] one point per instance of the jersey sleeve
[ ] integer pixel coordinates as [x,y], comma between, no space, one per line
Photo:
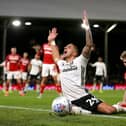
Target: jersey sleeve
[94,64]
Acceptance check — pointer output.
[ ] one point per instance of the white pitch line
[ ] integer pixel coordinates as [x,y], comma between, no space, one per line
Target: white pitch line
[108,116]
[24,108]
[47,110]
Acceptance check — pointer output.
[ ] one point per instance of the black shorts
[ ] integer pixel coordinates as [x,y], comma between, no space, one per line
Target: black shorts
[98,78]
[34,77]
[88,102]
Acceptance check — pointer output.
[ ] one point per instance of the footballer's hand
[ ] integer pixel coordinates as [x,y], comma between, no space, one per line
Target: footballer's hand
[52,34]
[85,21]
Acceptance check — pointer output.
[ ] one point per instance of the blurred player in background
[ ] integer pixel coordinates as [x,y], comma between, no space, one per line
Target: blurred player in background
[4,76]
[24,63]
[13,72]
[100,73]
[35,67]
[123,59]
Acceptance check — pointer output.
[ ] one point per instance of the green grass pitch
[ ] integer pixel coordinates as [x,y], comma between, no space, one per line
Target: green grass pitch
[27,110]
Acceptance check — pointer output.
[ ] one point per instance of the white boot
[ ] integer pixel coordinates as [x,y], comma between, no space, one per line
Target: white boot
[119,108]
[79,110]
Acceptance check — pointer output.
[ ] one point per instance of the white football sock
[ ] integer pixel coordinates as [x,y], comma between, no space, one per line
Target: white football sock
[79,110]
[119,108]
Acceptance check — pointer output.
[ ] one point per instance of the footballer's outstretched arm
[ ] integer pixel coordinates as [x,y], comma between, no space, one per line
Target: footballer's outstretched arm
[89,41]
[51,39]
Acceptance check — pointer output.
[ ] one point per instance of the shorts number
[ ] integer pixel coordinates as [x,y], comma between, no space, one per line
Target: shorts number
[92,101]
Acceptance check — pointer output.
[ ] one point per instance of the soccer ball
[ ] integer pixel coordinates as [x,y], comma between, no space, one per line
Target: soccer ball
[61,106]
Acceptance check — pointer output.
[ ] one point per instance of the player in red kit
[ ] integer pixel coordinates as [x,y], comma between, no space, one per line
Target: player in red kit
[49,67]
[24,63]
[13,59]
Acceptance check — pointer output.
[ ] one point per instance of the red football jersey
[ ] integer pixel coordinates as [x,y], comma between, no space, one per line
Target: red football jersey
[47,54]
[13,61]
[24,64]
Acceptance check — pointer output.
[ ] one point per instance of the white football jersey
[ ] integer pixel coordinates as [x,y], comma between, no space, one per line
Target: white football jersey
[72,77]
[100,69]
[35,66]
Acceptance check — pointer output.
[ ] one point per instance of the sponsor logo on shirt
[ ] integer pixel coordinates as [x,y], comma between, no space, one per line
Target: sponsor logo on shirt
[70,67]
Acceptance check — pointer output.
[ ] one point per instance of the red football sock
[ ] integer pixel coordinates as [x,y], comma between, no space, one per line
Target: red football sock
[58,88]
[42,87]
